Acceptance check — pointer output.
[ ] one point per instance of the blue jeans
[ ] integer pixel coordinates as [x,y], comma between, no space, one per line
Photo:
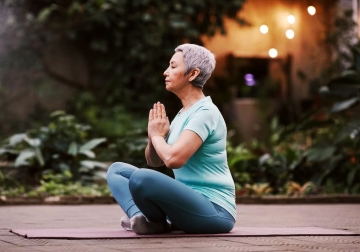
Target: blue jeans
[158,196]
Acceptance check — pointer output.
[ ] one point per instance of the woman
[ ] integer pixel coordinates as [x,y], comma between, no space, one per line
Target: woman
[201,198]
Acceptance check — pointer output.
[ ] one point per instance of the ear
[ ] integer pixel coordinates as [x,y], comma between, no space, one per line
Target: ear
[193,74]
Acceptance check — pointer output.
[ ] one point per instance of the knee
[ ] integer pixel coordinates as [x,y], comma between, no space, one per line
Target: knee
[139,180]
[113,170]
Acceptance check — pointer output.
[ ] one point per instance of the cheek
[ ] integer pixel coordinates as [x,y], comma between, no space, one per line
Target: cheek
[178,74]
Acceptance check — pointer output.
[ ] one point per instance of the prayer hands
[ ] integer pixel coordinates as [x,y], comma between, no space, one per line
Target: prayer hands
[158,124]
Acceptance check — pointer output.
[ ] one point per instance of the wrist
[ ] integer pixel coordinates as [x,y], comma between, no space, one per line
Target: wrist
[153,138]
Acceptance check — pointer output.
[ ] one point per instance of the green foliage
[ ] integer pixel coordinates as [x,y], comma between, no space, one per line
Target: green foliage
[273,161]
[61,146]
[128,43]
[322,149]
[61,184]
[296,189]
[7,183]
[112,122]
[239,158]
[258,189]
[339,151]
[57,185]
[129,148]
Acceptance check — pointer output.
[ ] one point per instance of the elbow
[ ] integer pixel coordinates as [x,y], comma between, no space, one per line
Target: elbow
[175,163]
[152,164]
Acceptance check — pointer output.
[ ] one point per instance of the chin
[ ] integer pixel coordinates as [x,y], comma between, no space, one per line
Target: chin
[168,87]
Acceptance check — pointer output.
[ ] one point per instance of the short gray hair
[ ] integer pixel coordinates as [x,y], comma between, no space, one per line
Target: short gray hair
[196,56]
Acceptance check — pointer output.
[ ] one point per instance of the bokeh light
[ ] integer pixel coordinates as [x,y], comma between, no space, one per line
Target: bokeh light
[311,10]
[291,19]
[264,29]
[290,34]
[273,53]
[249,79]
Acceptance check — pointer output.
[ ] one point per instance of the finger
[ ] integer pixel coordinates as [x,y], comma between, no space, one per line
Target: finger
[163,112]
[158,110]
[155,111]
[151,114]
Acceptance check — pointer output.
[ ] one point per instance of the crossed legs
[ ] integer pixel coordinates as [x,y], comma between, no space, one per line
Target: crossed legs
[158,197]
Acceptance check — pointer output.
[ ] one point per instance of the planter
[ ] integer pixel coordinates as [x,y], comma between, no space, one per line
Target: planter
[318,199]
[56,200]
[88,200]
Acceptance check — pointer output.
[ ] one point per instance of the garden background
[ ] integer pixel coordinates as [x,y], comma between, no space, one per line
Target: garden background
[95,69]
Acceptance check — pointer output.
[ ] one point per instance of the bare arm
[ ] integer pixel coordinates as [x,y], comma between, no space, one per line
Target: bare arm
[158,151]
[152,158]
[176,155]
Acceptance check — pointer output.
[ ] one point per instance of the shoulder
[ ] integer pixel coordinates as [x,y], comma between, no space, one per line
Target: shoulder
[206,113]
[207,104]
[207,109]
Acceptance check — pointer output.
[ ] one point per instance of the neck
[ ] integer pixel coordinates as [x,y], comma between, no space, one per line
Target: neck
[190,96]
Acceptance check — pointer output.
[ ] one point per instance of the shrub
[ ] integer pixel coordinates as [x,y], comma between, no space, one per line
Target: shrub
[61,146]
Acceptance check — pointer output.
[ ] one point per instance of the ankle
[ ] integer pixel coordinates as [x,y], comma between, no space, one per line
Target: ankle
[140,225]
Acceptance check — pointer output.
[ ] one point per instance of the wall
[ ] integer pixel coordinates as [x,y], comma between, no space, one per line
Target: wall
[310,55]
[307,52]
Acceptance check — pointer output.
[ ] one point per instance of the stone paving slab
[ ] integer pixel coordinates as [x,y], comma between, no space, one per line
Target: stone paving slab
[334,216]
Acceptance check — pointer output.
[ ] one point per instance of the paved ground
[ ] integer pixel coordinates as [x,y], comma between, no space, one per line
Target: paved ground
[341,216]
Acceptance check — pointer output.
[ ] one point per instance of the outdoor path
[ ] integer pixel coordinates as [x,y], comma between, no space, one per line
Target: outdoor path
[334,216]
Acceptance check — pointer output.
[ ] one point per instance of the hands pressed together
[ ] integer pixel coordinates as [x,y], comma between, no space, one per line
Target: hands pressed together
[158,124]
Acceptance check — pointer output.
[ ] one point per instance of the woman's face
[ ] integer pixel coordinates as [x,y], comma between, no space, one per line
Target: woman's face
[174,74]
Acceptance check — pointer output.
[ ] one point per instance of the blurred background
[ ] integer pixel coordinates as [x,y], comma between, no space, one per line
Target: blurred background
[77,79]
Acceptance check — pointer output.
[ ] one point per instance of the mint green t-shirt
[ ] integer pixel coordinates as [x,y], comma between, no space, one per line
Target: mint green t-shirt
[206,171]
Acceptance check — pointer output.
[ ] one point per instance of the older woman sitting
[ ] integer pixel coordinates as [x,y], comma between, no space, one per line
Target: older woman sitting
[201,198]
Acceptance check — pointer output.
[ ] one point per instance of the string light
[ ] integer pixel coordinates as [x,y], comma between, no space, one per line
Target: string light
[290,34]
[264,29]
[291,19]
[273,53]
[311,10]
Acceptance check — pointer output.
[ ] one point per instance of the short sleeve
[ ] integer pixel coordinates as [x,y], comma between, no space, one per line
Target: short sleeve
[203,122]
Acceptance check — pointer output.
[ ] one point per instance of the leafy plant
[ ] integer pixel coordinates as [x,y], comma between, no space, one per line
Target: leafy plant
[338,153]
[296,189]
[129,148]
[321,150]
[272,160]
[61,184]
[8,183]
[127,52]
[61,146]
[258,189]
[239,158]
[279,166]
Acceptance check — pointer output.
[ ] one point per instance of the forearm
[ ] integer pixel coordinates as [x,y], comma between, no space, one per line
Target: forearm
[165,152]
[152,158]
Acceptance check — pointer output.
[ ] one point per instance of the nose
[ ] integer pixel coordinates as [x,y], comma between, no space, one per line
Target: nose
[166,73]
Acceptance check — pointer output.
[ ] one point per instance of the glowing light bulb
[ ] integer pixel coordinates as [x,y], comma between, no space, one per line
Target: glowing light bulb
[291,19]
[311,10]
[264,29]
[290,34]
[273,53]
